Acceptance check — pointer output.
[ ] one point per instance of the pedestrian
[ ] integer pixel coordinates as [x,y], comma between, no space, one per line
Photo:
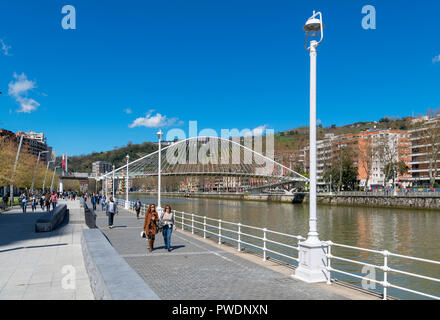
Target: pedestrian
[6,199]
[138,207]
[23,202]
[47,201]
[103,203]
[167,219]
[42,202]
[150,225]
[53,200]
[112,209]
[34,202]
[93,199]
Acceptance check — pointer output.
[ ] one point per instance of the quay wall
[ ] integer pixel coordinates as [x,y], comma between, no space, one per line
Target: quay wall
[380,200]
[389,201]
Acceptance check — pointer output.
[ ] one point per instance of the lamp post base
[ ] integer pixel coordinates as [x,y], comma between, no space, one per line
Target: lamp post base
[312,262]
[127,204]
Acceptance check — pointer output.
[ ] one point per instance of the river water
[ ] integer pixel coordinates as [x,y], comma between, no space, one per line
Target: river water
[407,232]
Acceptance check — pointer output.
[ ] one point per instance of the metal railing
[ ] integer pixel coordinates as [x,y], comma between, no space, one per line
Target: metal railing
[276,244]
[268,241]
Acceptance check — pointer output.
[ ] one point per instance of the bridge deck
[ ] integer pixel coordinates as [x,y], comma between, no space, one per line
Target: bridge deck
[200,269]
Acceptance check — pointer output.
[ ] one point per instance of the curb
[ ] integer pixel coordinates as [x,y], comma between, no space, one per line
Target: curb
[111,278]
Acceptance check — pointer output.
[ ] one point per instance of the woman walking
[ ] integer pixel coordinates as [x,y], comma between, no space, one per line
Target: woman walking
[150,225]
[112,209]
[167,217]
[34,202]
[42,202]
[47,202]
[138,207]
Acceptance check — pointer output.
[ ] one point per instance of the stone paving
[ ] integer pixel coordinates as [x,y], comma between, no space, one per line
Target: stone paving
[31,264]
[198,270]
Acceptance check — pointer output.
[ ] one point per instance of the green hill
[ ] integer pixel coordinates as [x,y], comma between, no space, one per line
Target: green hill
[83,163]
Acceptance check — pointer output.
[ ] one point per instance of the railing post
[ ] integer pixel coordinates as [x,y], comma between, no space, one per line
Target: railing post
[264,244]
[239,237]
[329,255]
[220,231]
[385,273]
[204,227]
[183,220]
[192,223]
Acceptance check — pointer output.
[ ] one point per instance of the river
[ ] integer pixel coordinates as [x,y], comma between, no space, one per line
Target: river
[408,232]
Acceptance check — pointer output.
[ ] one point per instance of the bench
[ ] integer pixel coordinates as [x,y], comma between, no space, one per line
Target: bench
[52,219]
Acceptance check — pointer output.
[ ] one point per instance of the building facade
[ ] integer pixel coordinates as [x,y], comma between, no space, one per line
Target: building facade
[425,153]
[101,167]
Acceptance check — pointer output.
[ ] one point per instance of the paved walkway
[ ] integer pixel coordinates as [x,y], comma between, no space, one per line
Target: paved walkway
[199,269]
[32,263]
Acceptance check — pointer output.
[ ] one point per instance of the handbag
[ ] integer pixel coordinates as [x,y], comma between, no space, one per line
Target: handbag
[160,224]
[143,234]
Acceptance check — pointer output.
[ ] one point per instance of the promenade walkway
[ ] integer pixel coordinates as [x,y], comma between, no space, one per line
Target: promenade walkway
[199,269]
[32,263]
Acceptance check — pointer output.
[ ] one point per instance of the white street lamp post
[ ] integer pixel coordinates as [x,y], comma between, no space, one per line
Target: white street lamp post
[105,187]
[47,168]
[159,208]
[127,204]
[35,170]
[11,190]
[312,252]
[53,177]
[113,182]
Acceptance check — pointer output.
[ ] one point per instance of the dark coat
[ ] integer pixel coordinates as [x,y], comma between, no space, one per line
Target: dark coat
[150,222]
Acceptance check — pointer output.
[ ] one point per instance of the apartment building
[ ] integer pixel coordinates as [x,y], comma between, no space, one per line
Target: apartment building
[101,167]
[425,153]
[372,150]
[34,142]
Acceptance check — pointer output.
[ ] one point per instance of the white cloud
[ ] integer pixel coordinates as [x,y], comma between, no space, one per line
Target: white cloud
[436,59]
[5,48]
[154,121]
[19,88]
[256,132]
[128,111]
[27,105]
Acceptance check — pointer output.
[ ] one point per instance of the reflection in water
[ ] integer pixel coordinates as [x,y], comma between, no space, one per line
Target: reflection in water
[408,232]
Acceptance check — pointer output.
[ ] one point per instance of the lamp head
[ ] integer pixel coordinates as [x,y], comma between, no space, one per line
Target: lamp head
[314,28]
[159,134]
[312,25]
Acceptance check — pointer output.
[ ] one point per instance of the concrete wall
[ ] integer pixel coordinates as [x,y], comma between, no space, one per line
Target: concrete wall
[111,278]
[381,201]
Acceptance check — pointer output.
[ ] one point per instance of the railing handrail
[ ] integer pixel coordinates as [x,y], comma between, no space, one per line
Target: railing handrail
[385,268]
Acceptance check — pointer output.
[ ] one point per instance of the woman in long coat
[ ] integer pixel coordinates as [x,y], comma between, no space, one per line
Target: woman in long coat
[150,224]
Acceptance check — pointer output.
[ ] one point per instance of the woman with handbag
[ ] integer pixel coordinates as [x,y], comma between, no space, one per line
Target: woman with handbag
[167,220]
[150,225]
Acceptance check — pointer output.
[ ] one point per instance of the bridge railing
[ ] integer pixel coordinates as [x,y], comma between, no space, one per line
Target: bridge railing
[385,268]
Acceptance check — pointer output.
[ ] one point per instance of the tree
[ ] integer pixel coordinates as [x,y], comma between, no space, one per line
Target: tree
[366,157]
[386,152]
[341,169]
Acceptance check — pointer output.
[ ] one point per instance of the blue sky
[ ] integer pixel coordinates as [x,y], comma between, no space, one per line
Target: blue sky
[226,64]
